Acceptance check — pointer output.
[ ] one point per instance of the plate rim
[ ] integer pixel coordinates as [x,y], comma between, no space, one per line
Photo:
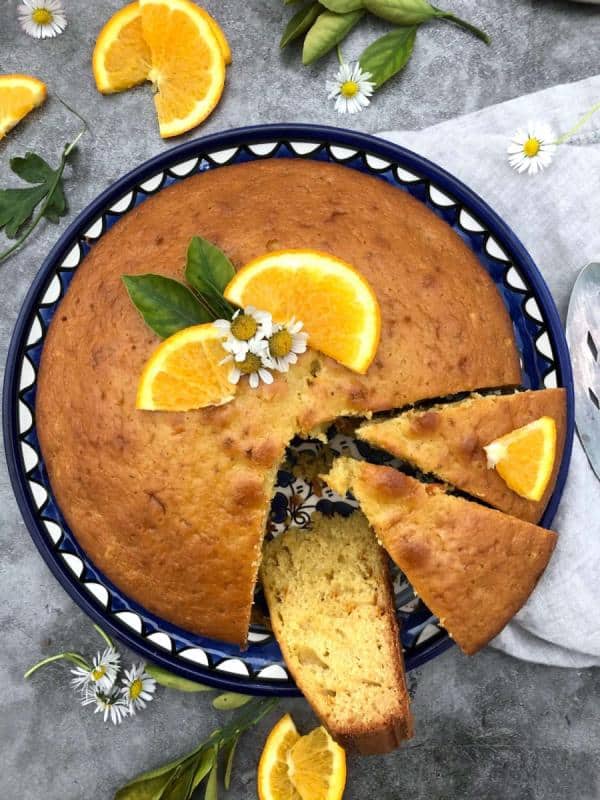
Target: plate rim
[236,138]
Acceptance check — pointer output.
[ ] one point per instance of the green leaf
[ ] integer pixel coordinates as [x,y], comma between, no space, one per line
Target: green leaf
[166,305]
[300,23]
[230,700]
[151,789]
[389,54]
[208,269]
[229,763]
[204,766]
[342,6]
[401,12]
[212,785]
[17,207]
[328,30]
[171,681]
[181,785]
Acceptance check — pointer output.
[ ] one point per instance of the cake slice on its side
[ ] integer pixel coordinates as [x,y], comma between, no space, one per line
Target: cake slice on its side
[448,441]
[330,600]
[473,566]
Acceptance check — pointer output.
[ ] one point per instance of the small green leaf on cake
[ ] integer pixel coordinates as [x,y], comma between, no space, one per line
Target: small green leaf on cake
[166,305]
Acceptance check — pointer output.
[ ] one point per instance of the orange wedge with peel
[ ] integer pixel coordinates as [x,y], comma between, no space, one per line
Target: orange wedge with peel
[524,458]
[185,373]
[273,778]
[19,94]
[121,56]
[334,301]
[317,766]
[188,68]
[177,46]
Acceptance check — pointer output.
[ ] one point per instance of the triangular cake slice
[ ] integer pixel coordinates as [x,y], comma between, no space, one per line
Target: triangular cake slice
[448,440]
[473,566]
[330,601]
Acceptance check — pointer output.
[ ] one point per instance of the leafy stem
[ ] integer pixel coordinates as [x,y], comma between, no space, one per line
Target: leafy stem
[181,777]
[105,636]
[468,26]
[52,187]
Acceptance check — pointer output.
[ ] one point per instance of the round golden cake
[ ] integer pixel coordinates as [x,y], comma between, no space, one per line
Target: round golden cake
[172,506]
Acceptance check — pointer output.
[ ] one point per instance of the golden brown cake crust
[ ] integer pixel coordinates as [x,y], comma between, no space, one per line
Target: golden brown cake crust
[172,507]
[448,440]
[474,567]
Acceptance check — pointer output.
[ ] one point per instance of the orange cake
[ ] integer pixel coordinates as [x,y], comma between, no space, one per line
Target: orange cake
[331,608]
[172,506]
[448,441]
[474,567]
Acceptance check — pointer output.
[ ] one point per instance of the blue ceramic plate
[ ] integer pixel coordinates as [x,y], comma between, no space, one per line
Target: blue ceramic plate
[260,668]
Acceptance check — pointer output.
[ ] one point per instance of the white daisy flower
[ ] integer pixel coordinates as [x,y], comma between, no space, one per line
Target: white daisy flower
[286,343]
[103,673]
[351,89]
[531,149]
[110,704]
[256,364]
[246,327]
[138,687]
[42,19]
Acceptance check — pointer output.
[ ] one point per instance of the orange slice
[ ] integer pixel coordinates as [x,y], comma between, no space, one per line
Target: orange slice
[273,779]
[524,458]
[334,301]
[317,767]
[184,372]
[19,94]
[188,68]
[121,56]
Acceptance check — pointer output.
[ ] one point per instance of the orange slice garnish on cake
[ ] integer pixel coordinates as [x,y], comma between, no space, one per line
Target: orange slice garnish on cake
[185,373]
[174,44]
[524,458]
[19,94]
[273,776]
[334,301]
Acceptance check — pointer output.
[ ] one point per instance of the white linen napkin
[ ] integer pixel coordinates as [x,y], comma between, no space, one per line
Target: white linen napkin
[556,214]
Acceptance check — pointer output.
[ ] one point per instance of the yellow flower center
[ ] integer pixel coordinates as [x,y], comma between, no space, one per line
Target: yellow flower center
[250,364]
[135,689]
[531,147]
[244,327]
[42,16]
[280,344]
[98,672]
[349,89]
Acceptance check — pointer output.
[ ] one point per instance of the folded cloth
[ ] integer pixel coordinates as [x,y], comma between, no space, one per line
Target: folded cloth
[555,214]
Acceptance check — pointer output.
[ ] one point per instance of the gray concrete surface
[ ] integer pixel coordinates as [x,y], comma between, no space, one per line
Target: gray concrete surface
[488,727]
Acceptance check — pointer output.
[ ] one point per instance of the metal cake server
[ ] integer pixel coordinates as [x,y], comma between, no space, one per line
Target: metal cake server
[583,336]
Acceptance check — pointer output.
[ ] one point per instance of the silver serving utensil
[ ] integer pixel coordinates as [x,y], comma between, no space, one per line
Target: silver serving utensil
[583,336]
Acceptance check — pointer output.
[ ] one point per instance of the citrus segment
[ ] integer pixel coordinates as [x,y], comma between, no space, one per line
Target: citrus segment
[121,56]
[188,68]
[524,458]
[184,372]
[334,301]
[273,778]
[317,766]
[19,94]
